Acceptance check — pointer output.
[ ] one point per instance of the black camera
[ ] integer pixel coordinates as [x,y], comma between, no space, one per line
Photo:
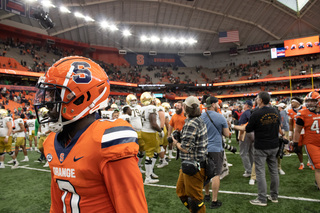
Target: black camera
[176,135]
[230,148]
[282,142]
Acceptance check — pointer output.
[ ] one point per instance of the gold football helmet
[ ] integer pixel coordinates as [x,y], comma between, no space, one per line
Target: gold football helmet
[131,100]
[146,98]
[3,113]
[43,111]
[166,106]
[114,107]
[158,102]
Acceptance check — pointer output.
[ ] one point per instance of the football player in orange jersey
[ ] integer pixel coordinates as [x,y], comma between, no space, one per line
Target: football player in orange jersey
[296,105]
[93,162]
[309,119]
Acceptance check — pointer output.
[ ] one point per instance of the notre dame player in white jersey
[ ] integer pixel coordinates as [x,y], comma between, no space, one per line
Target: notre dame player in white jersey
[137,125]
[227,113]
[43,132]
[21,136]
[150,129]
[6,138]
[31,124]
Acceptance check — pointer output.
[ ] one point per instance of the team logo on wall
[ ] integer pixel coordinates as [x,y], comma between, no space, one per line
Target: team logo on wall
[49,157]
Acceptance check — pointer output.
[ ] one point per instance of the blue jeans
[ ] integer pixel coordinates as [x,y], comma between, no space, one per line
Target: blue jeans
[260,159]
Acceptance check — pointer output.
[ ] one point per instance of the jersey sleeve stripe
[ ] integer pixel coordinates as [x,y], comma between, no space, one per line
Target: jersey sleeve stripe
[117,129]
[118,135]
[119,141]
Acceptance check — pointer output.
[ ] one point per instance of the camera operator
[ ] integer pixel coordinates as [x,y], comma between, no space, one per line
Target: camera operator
[265,123]
[193,147]
[216,126]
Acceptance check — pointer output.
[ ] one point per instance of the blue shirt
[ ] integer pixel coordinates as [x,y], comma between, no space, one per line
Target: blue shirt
[214,133]
[244,118]
[284,120]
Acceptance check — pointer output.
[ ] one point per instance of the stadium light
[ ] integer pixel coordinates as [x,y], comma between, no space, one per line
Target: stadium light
[63,9]
[182,40]
[126,33]
[78,15]
[104,24]
[143,38]
[173,40]
[154,39]
[47,3]
[192,41]
[166,40]
[113,27]
[30,1]
[88,18]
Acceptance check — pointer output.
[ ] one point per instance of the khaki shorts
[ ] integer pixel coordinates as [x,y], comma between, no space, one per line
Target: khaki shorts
[151,143]
[41,140]
[5,146]
[20,141]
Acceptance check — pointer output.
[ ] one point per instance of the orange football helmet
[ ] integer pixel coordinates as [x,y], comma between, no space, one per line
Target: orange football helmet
[71,89]
[312,100]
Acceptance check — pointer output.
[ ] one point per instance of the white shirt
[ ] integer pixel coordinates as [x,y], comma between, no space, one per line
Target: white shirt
[136,117]
[3,126]
[31,123]
[147,110]
[17,123]
[126,117]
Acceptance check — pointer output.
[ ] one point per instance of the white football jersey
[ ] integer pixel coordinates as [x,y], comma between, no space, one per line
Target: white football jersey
[44,127]
[106,114]
[17,123]
[3,126]
[146,125]
[136,117]
[227,114]
[31,123]
[126,117]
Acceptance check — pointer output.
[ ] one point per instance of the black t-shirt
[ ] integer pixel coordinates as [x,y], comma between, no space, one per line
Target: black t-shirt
[265,123]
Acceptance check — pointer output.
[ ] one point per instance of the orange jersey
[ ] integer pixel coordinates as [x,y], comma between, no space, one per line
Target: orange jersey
[97,171]
[292,114]
[177,121]
[203,108]
[311,123]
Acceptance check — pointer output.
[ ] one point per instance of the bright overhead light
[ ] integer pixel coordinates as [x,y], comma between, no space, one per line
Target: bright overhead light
[78,15]
[126,33]
[182,40]
[143,38]
[63,9]
[166,40]
[172,40]
[113,27]
[47,3]
[104,24]
[31,1]
[88,18]
[192,41]
[154,39]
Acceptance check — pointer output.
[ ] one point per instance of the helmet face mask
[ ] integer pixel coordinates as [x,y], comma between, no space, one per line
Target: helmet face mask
[71,89]
[312,101]
[131,100]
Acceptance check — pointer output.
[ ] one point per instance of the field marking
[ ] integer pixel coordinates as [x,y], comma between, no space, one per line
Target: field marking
[30,168]
[173,187]
[245,193]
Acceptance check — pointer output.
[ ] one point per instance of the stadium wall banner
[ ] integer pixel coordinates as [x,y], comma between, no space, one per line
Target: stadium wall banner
[16,6]
[264,47]
[302,46]
[161,59]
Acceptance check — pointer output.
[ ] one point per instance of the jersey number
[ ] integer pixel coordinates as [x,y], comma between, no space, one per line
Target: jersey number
[67,187]
[136,113]
[315,126]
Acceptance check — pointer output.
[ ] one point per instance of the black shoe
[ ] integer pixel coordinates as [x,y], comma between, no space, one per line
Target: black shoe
[215,204]
[207,198]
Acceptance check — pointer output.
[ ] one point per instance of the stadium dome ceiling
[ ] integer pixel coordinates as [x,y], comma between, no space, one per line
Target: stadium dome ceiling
[257,21]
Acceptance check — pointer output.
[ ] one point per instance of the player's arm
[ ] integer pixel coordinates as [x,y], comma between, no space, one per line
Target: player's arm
[166,123]
[170,129]
[162,118]
[9,126]
[153,122]
[291,122]
[297,130]
[124,183]
[21,128]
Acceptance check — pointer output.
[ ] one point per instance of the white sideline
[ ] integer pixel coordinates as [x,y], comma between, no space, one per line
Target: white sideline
[173,187]
[245,193]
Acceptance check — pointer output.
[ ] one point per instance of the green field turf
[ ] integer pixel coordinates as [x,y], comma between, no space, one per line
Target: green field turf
[24,190]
